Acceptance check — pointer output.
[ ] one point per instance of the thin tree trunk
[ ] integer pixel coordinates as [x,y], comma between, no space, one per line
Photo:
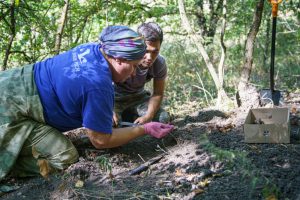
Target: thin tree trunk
[245,76]
[243,95]
[198,42]
[223,47]
[81,29]
[222,95]
[61,26]
[12,36]
[208,25]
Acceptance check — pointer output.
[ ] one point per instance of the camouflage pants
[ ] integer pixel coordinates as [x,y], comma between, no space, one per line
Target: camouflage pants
[130,107]
[25,139]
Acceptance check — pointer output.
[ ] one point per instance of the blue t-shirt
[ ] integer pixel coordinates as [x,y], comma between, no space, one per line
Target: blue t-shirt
[76,89]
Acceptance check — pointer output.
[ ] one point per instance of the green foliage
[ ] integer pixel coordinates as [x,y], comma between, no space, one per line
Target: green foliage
[270,190]
[189,80]
[287,50]
[37,22]
[104,163]
[183,83]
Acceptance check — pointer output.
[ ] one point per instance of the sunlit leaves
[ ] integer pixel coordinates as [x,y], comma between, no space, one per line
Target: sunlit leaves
[36,25]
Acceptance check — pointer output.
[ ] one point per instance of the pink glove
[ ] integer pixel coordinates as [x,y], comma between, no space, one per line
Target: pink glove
[157,129]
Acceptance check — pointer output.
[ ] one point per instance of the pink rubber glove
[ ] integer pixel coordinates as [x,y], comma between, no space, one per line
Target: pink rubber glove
[157,129]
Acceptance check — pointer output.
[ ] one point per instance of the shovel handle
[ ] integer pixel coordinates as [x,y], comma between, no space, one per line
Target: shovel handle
[275,6]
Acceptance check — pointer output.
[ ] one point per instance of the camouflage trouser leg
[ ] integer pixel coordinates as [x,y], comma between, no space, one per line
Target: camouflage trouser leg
[160,116]
[49,144]
[22,128]
[137,104]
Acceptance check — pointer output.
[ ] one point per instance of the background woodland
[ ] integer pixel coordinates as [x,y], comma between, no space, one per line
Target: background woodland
[211,47]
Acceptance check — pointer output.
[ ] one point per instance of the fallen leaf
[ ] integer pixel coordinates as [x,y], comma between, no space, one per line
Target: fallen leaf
[198,191]
[178,172]
[79,184]
[293,109]
[271,197]
[225,128]
[204,183]
[45,168]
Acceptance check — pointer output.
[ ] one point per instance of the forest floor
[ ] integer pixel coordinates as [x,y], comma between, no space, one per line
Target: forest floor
[205,157]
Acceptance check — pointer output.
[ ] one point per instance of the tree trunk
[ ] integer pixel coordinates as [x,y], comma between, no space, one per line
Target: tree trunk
[221,95]
[223,47]
[208,24]
[12,36]
[198,42]
[243,97]
[81,29]
[61,26]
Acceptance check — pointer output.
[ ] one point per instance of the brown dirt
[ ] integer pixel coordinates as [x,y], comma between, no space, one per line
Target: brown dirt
[205,157]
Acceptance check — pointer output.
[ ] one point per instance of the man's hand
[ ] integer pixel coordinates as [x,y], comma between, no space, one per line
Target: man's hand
[157,129]
[115,120]
[143,119]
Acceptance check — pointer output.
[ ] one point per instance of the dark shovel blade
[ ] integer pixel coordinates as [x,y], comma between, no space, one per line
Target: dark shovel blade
[267,97]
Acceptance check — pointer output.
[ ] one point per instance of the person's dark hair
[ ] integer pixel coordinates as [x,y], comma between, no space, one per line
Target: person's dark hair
[151,32]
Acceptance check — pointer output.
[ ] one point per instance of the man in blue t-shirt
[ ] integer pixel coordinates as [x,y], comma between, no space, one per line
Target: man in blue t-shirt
[132,101]
[71,90]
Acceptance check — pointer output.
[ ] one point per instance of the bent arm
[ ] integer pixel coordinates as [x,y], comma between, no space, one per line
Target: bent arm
[118,137]
[156,98]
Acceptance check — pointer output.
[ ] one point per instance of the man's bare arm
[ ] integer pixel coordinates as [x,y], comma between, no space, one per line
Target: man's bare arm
[154,101]
[118,137]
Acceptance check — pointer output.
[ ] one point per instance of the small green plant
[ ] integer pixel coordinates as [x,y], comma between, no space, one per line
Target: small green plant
[270,190]
[104,163]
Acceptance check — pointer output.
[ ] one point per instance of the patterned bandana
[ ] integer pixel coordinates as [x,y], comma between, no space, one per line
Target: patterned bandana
[122,42]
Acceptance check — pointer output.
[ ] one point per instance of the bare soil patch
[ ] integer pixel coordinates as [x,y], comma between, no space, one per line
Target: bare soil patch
[204,158]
